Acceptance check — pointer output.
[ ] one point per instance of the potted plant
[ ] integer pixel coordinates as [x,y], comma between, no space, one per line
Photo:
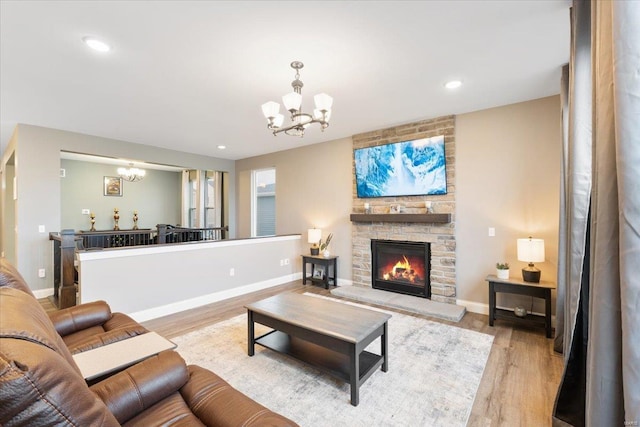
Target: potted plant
[502,270]
[324,246]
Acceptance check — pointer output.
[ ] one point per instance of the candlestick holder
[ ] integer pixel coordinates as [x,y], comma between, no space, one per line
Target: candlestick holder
[116,218]
[93,221]
[135,220]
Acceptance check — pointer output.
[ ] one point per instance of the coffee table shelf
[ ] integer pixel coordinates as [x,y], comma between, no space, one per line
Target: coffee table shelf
[324,359]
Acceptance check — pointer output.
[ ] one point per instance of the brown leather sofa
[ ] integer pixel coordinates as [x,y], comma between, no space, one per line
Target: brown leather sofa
[81,327]
[40,384]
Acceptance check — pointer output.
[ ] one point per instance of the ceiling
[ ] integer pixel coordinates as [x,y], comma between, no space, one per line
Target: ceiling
[191,75]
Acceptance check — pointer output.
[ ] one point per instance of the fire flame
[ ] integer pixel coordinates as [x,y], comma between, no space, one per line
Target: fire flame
[404,265]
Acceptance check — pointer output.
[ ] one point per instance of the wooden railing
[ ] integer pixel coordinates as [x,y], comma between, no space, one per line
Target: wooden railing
[64,271]
[66,242]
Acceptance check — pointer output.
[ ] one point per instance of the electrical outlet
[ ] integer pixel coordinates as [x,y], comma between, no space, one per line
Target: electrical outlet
[41,272]
[232,271]
[492,232]
[86,211]
[286,261]
[41,229]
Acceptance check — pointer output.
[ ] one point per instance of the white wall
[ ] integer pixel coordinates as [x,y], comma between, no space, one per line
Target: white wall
[155,281]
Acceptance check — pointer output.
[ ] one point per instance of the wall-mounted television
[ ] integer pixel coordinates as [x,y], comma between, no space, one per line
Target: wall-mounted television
[408,168]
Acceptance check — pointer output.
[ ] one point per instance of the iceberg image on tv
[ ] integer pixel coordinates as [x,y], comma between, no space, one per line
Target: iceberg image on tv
[409,168]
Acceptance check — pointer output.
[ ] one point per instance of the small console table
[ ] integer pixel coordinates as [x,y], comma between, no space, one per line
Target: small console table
[520,287]
[330,273]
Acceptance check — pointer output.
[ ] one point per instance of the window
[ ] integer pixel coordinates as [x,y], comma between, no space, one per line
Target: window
[204,199]
[263,206]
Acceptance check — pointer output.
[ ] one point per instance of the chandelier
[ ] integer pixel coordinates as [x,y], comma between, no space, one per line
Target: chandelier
[132,174]
[293,103]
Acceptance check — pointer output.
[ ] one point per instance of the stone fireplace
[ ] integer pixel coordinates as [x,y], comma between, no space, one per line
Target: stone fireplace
[437,230]
[402,267]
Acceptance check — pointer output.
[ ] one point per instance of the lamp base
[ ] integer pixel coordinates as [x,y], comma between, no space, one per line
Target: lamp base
[315,251]
[531,274]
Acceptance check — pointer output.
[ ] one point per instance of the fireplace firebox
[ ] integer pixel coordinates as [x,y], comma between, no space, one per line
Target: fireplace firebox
[402,267]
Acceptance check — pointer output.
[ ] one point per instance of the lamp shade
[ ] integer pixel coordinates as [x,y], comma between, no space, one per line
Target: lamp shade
[314,235]
[323,101]
[292,101]
[278,120]
[270,109]
[531,250]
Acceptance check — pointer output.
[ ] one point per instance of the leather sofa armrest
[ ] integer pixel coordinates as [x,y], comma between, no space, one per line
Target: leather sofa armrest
[215,402]
[140,386]
[83,316]
[105,338]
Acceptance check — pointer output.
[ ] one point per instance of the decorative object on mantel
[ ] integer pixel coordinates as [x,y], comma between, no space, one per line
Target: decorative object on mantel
[531,250]
[502,270]
[428,205]
[132,174]
[367,208]
[293,103]
[93,221]
[324,246]
[116,218]
[313,236]
[396,209]
[135,220]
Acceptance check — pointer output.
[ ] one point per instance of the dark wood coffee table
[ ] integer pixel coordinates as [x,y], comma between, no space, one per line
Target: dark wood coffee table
[328,335]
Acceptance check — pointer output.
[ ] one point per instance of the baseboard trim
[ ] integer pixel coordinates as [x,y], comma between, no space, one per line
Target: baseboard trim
[42,293]
[474,307]
[165,310]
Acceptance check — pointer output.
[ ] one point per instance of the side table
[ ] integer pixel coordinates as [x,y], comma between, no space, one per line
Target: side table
[520,287]
[330,265]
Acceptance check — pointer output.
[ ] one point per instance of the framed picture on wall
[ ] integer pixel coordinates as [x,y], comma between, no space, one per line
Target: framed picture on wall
[112,186]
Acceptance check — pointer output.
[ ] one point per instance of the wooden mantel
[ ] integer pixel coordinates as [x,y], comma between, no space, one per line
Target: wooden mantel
[440,218]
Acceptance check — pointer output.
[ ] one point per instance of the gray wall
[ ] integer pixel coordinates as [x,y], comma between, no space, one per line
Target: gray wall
[37,168]
[157,198]
[155,281]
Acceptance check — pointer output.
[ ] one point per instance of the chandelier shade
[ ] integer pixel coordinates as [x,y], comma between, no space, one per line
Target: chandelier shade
[132,174]
[293,104]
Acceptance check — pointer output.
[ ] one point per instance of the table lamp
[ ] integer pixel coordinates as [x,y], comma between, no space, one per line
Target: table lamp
[531,250]
[313,236]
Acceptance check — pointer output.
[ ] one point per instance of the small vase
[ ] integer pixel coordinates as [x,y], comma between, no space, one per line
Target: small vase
[502,274]
[326,253]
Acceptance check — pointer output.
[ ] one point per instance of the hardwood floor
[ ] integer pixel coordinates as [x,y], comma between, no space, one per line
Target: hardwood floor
[520,380]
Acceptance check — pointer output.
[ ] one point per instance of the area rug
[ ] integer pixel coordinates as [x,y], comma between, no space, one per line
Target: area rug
[409,303]
[434,373]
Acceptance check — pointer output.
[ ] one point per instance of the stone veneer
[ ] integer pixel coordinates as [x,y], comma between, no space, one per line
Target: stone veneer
[441,236]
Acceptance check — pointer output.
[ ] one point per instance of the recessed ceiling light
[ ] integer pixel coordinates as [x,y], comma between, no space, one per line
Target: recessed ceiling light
[453,84]
[96,44]
[222,147]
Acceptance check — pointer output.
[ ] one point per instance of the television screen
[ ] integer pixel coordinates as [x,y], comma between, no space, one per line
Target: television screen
[409,168]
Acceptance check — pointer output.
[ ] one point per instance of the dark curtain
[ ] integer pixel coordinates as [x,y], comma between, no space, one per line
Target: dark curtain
[601,308]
